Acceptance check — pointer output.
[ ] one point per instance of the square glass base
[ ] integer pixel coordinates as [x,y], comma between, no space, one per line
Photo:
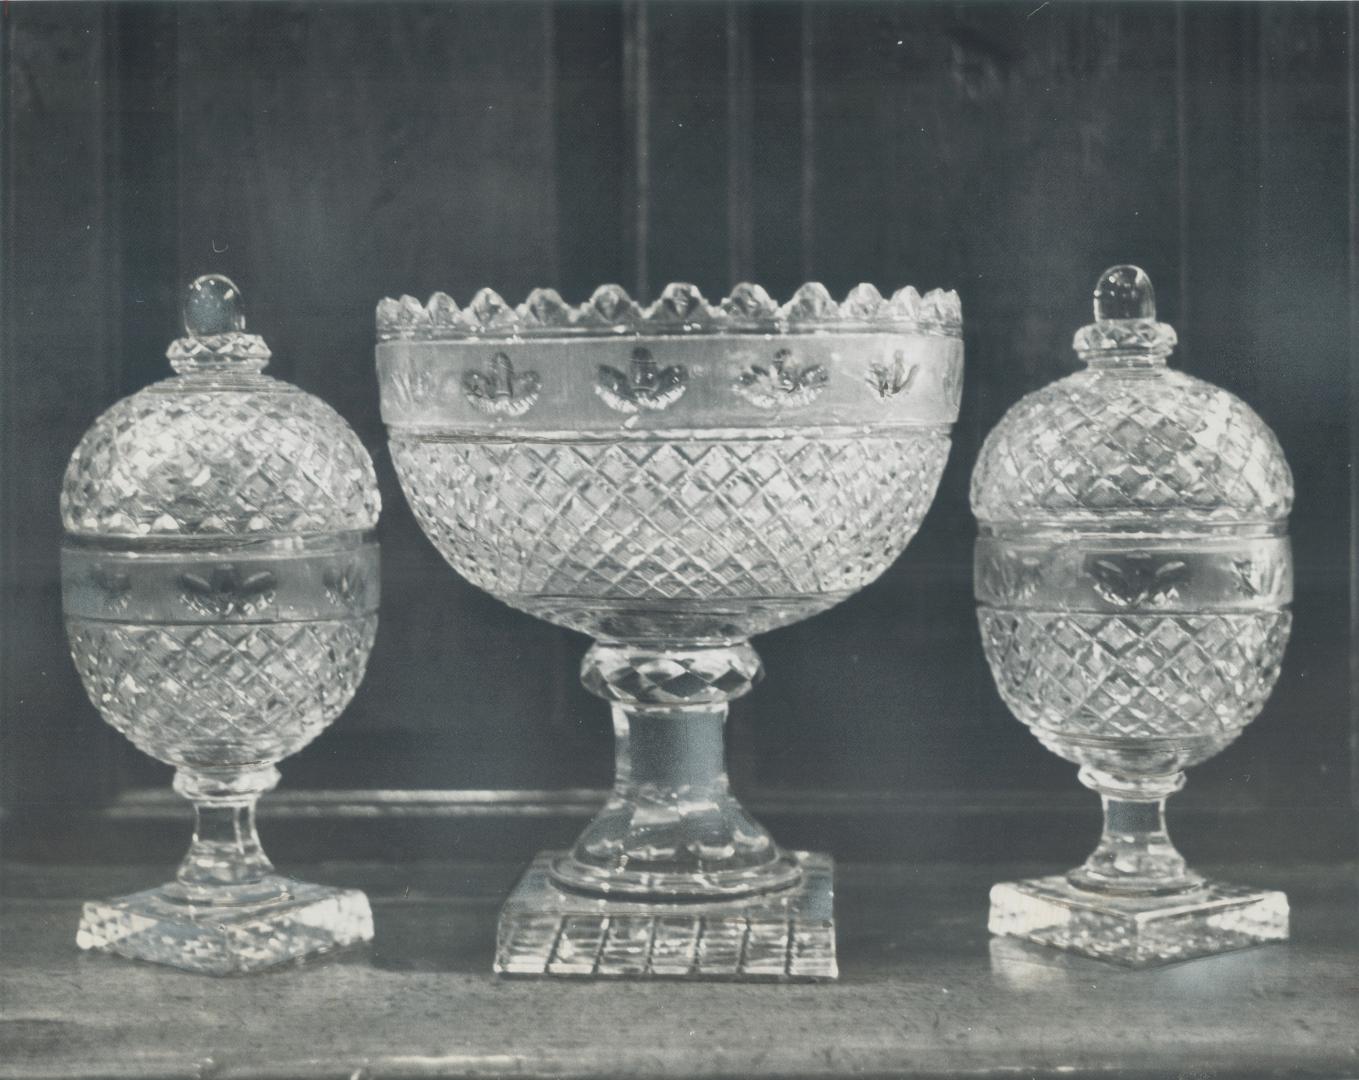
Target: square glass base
[159,926]
[1138,931]
[788,936]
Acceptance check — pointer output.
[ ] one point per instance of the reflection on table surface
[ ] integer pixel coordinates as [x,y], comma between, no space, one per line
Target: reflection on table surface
[924,990]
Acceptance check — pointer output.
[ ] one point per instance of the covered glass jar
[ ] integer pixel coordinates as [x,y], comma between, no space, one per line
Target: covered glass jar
[1133,576]
[220,588]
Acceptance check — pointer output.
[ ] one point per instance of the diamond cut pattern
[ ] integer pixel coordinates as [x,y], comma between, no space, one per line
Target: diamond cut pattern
[238,462]
[1096,443]
[674,519]
[1134,676]
[674,676]
[1214,919]
[220,694]
[229,939]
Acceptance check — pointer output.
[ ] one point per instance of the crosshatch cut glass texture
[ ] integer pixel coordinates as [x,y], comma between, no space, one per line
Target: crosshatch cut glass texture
[1133,577]
[220,588]
[671,480]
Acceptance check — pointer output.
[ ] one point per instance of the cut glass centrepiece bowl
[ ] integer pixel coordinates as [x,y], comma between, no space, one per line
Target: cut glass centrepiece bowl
[670,481]
[220,588]
[1133,576]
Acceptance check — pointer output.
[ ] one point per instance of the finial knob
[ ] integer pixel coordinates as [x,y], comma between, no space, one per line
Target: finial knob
[1124,292]
[214,331]
[212,305]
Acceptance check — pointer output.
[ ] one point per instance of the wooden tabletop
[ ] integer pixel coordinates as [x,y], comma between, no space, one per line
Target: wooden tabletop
[924,992]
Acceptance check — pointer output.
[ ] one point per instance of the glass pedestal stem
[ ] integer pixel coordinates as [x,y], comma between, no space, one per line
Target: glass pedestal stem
[671,828]
[1134,901]
[669,753]
[672,879]
[225,860]
[227,911]
[1135,856]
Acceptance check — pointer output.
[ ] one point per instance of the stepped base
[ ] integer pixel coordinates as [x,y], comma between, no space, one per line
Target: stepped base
[786,936]
[159,926]
[1138,931]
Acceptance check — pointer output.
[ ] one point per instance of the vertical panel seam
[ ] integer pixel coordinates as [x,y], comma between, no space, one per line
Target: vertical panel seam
[108,204]
[8,531]
[180,252]
[552,271]
[739,145]
[1182,165]
[1352,95]
[637,98]
[807,207]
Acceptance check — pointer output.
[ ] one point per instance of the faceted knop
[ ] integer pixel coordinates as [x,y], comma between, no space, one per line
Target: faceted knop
[212,305]
[1124,292]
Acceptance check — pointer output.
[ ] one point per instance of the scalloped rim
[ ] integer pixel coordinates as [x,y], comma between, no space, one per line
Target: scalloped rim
[680,308]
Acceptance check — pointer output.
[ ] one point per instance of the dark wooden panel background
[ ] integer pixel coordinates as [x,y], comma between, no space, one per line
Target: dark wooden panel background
[327,155]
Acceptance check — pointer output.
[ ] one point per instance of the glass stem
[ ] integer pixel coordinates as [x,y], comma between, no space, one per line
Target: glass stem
[671,827]
[1135,854]
[669,752]
[225,854]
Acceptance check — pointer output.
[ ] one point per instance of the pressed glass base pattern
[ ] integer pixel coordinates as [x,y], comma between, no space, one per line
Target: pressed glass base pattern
[1138,931]
[741,522]
[214,694]
[159,926]
[786,936]
[1146,676]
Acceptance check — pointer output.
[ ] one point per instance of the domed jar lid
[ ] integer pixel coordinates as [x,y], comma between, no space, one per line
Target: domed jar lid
[1130,443]
[220,450]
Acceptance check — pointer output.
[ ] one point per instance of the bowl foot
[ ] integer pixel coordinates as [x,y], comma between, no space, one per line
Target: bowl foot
[161,926]
[786,936]
[1138,931]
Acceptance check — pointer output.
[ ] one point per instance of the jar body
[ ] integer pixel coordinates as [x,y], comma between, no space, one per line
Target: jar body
[223,657]
[1137,655]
